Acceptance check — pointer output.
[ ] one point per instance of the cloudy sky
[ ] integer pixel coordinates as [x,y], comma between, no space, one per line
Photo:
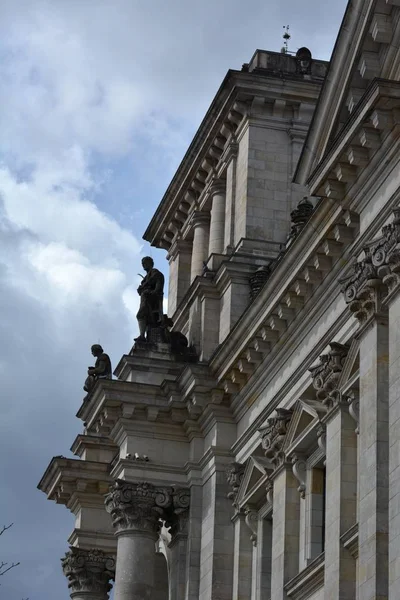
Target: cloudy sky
[98,102]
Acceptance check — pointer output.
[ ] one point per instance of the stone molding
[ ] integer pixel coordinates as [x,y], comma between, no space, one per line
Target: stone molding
[273,436]
[308,581]
[88,571]
[199,219]
[139,506]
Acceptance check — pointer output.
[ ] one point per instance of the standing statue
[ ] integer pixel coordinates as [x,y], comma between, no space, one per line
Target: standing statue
[101,370]
[151,292]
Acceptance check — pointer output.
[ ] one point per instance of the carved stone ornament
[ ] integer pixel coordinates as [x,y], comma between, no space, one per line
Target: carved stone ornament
[177,515]
[273,436]
[386,253]
[300,472]
[251,520]
[88,571]
[327,373]
[354,408]
[299,217]
[234,476]
[258,280]
[363,289]
[137,506]
[270,492]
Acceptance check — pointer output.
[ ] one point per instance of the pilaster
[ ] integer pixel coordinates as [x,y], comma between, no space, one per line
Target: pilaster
[201,230]
[364,292]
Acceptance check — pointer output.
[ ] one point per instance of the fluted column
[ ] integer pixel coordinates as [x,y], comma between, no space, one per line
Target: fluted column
[201,228]
[89,573]
[136,509]
[217,224]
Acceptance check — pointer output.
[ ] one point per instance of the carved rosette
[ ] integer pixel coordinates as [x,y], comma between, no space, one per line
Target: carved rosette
[363,289]
[273,436]
[234,476]
[327,373]
[88,571]
[177,514]
[137,506]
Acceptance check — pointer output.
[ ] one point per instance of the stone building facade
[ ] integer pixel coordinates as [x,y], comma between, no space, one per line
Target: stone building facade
[265,465]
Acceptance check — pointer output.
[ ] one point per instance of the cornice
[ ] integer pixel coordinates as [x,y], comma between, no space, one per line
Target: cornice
[66,476]
[381,95]
[308,581]
[225,114]
[95,442]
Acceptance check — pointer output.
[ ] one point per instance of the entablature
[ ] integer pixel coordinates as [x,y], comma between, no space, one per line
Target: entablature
[288,291]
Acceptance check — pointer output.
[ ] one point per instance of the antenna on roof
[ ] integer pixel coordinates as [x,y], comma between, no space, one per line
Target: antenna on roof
[286,36]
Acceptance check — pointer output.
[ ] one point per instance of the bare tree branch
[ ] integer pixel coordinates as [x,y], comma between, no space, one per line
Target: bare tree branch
[5,527]
[4,570]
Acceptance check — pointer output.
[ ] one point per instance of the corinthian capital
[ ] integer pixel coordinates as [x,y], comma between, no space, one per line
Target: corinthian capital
[137,506]
[363,289]
[326,373]
[273,436]
[88,571]
[177,515]
[386,253]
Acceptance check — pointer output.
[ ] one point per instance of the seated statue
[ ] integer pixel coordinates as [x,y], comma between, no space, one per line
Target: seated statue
[101,370]
[151,292]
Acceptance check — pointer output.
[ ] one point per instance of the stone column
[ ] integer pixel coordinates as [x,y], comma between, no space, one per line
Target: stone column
[286,501]
[217,225]
[242,558]
[89,573]
[386,258]
[363,292]
[177,518]
[136,509]
[285,530]
[200,224]
[341,501]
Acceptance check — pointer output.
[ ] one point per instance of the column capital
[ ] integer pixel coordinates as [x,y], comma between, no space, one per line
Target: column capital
[326,373]
[385,253]
[88,571]
[137,506]
[177,514]
[364,289]
[200,218]
[273,436]
[217,187]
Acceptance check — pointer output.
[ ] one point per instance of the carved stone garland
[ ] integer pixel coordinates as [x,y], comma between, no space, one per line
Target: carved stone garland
[88,571]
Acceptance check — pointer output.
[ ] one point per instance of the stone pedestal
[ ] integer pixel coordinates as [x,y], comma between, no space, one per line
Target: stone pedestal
[341,500]
[89,573]
[136,509]
[200,224]
[217,225]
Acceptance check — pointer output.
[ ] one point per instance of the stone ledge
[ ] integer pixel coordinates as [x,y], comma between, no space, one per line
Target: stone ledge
[350,540]
[308,581]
